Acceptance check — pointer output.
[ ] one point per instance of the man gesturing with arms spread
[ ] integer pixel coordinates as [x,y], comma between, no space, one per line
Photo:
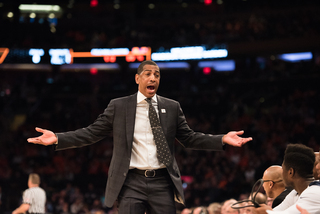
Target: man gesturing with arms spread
[143,174]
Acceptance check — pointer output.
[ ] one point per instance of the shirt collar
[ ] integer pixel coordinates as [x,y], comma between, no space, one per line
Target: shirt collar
[141,98]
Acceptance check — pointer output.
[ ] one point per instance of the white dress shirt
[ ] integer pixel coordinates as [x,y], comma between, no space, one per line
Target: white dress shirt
[144,150]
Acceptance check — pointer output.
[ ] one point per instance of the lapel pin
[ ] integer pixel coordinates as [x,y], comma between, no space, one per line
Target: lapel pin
[163,110]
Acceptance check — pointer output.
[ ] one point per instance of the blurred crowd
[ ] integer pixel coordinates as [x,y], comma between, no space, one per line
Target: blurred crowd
[276,105]
[82,27]
[275,102]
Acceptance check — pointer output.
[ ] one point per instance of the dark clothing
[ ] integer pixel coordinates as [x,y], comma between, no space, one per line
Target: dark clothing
[281,197]
[119,119]
[141,194]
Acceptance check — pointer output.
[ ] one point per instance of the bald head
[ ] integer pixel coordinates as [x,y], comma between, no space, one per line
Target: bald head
[272,181]
[273,173]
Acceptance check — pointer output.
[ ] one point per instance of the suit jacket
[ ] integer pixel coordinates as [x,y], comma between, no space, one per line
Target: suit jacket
[119,119]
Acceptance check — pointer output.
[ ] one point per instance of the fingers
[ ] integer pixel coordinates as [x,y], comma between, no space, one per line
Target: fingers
[244,140]
[40,129]
[34,140]
[248,139]
[299,208]
[239,132]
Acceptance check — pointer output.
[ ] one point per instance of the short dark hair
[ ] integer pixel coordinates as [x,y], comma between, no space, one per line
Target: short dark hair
[146,62]
[301,158]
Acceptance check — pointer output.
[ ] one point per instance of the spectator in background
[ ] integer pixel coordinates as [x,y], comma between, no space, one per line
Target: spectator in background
[34,198]
[260,198]
[227,209]
[246,210]
[274,186]
[214,208]
[186,211]
[77,205]
[297,173]
[200,210]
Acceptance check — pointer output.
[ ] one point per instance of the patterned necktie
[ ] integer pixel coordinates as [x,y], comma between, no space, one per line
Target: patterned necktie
[163,152]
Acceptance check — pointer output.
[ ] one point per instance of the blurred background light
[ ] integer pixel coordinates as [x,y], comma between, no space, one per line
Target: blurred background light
[294,57]
[39,8]
[220,65]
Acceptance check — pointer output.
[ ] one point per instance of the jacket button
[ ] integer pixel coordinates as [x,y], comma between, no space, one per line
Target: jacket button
[124,174]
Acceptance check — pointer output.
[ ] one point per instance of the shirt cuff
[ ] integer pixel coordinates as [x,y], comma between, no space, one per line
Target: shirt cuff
[56,143]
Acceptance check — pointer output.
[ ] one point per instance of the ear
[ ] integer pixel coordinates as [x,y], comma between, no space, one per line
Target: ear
[137,77]
[291,172]
[271,184]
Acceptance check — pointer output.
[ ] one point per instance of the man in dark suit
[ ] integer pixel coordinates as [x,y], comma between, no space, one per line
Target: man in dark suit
[137,179]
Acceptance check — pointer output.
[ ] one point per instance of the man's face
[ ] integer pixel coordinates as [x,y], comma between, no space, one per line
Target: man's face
[148,80]
[266,185]
[285,176]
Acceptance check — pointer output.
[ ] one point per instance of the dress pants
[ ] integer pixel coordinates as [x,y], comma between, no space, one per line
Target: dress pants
[147,195]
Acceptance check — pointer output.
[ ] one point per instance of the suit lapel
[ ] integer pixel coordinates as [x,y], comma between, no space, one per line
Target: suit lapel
[162,114]
[130,118]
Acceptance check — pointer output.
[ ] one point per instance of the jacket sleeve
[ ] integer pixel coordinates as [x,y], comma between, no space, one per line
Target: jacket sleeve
[95,132]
